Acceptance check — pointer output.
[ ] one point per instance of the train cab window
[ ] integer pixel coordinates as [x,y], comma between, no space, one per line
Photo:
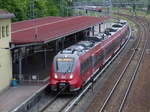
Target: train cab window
[64,65]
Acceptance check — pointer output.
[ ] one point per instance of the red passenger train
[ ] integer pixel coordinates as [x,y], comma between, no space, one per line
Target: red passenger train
[74,66]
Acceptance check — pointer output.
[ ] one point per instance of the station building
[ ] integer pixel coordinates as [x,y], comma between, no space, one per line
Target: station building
[5,53]
[28,47]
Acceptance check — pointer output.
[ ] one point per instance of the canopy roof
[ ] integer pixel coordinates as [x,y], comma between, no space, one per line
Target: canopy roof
[51,28]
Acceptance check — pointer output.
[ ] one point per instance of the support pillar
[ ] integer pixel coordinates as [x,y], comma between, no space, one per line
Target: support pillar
[99,28]
[45,57]
[20,64]
[75,37]
[57,46]
[85,33]
[62,41]
[93,30]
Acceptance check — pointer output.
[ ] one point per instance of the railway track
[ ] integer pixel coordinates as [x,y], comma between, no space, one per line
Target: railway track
[118,95]
[116,98]
[54,102]
[58,105]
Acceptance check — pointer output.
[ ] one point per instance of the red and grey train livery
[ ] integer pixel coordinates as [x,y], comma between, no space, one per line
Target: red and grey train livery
[75,65]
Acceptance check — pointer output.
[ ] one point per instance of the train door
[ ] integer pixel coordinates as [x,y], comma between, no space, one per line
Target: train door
[105,55]
[83,72]
[90,67]
[86,69]
[93,63]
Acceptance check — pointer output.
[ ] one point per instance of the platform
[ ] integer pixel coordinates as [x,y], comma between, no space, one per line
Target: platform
[14,96]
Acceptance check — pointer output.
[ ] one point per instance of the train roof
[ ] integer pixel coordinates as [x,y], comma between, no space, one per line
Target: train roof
[97,38]
[119,24]
[91,41]
[122,21]
[78,48]
[86,44]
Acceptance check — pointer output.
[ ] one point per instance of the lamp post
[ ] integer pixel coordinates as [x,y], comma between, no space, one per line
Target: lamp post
[148,7]
[68,6]
[32,7]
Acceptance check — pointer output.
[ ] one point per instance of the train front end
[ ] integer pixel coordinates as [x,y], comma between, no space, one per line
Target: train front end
[65,73]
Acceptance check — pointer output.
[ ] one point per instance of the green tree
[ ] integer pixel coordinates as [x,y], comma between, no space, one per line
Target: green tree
[53,9]
[21,8]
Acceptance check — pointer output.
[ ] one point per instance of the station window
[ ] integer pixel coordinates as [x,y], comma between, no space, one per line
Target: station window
[3,31]
[0,32]
[7,30]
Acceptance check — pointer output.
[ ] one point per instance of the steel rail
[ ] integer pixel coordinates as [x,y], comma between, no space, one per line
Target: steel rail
[122,74]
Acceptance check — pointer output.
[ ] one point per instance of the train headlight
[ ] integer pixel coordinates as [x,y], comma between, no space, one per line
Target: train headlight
[55,76]
[71,76]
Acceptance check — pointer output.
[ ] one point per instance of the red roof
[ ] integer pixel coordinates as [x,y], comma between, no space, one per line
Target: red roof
[53,30]
[16,27]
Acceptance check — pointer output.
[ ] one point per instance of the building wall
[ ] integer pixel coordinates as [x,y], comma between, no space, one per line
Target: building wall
[5,54]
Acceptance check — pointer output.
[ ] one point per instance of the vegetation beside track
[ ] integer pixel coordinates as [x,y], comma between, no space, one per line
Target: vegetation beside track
[129,12]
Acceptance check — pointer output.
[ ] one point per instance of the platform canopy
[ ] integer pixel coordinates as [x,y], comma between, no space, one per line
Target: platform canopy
[51,28]
[24,25]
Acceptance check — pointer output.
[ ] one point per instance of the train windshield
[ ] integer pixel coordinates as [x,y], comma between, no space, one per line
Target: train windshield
[64,65]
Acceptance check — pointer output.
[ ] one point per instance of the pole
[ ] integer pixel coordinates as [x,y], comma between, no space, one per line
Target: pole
[75,38]
[99,28]
[93,30]
[32,13]
[62,41]
[110,8]
[148,7]
[57,46]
